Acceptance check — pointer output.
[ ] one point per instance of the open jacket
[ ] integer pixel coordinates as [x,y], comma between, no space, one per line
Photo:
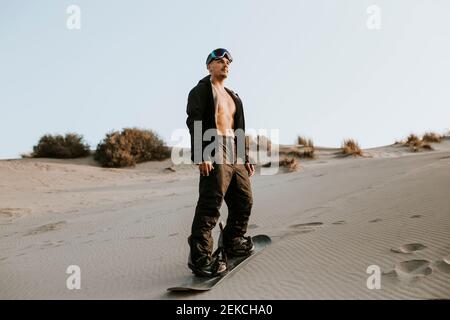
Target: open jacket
[201,107]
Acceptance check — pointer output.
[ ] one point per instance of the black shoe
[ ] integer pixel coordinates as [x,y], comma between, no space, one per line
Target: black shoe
[240,247]
[208,266]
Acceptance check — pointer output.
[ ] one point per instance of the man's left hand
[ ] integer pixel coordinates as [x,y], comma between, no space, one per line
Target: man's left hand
[250,169]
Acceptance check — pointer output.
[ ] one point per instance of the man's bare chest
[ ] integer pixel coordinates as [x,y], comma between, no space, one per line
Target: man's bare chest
[225,104]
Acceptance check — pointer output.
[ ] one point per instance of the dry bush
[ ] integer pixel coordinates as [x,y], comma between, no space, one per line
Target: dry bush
[351,147]
[291,164]
[62,147]
[259,143]
[256,145]
[301,140]
[412,138]
[305,142]
[418,145]
[308,150]
[295,153]
[427,146]
[129,147]
[415,144]
[431,137]
[264,143]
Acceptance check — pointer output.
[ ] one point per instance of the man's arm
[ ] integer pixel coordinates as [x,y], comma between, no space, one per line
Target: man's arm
[249,166]
[246,146]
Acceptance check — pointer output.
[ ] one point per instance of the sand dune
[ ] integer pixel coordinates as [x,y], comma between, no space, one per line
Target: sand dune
[330,221]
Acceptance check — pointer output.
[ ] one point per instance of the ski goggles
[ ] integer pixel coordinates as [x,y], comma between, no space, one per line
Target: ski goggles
[218,54]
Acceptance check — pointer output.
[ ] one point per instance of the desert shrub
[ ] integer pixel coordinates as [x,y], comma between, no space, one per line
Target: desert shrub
[418,145]
[264,143]
[301,140]
[306,152]
[431,137]
[260,143]
[305,142]
[308,148]
[57,146]
[351,147]
[427,146]
[411,139]
[129,147]
[291,164]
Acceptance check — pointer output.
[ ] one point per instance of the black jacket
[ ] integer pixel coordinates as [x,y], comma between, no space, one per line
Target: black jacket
[200,107]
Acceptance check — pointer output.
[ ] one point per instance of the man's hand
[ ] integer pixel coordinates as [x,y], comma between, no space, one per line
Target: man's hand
[205,168]
[250,169]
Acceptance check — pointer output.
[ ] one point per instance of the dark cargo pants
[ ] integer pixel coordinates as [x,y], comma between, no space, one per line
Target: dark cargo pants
[228,181]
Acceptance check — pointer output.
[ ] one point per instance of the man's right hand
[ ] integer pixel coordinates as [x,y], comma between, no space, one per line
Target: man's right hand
[205,168]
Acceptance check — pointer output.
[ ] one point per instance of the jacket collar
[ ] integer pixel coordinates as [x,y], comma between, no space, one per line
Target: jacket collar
[207,80]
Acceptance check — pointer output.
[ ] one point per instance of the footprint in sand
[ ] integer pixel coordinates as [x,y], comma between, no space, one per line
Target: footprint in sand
[143,237]
[390,275]
[252,226]
[446,259]
[443,265]
[171,194]
[409,248]
[301,228]
[339,222]
[13,212]
[416,216]
[46,227]
[318,175]
[375,220]
[309,224]
[294,233]
[414,268]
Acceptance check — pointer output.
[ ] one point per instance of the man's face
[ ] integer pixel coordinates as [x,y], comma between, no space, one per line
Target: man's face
[219,68]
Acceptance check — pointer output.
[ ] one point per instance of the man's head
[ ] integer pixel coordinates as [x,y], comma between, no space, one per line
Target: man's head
[217,63]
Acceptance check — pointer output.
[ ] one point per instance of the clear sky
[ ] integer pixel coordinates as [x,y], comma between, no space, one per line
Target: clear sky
[303,67]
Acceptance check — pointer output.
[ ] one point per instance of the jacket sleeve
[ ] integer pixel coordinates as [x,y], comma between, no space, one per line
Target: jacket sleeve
[195,110]
[247,159]
[246,146]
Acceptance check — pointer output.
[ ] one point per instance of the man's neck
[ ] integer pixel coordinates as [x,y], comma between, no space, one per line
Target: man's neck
[218,83]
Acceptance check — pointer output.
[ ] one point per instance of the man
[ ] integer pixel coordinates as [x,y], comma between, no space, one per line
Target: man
[222,175]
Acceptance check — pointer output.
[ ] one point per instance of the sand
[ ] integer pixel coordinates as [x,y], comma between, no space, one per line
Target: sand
[330,221]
